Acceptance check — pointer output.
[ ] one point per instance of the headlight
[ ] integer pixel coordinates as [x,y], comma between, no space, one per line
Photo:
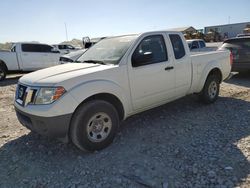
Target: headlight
[49,95]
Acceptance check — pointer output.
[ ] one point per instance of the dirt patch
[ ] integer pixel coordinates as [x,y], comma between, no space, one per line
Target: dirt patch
[181,144]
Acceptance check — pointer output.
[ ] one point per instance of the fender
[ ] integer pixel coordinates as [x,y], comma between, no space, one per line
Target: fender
[204,74]
[10,60]
[87,89]
[2,63]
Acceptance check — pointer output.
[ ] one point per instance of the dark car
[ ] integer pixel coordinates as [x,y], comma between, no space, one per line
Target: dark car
[240,48]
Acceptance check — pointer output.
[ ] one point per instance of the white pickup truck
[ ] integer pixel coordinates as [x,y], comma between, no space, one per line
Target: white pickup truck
[114,79]
[28,57]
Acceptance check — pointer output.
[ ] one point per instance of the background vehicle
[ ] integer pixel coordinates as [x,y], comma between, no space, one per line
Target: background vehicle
[199,45]
[243,35]
[65,48]
[240,48]
[71,57]
[114,79]
[196,43]
[28,57]
[87,42]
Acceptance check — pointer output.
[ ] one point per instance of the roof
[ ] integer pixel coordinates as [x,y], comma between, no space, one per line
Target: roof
[228,24]
[247,38]
[181,29]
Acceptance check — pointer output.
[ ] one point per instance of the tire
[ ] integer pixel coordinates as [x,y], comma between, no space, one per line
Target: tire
[94,125]
[3,72]
[211,89]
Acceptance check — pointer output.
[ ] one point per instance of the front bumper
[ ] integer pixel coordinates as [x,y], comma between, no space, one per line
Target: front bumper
[56,127]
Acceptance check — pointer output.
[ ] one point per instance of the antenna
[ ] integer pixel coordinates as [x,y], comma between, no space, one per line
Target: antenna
[66,31]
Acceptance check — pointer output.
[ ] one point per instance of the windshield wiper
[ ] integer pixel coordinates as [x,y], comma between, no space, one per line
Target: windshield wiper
[94,61]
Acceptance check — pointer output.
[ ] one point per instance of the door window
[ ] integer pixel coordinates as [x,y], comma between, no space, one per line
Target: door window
[202,44]
[152,49]
[40,48]
[46,48]
[195,45]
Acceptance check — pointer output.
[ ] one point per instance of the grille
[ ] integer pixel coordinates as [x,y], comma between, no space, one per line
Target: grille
[21,94]
[25,95]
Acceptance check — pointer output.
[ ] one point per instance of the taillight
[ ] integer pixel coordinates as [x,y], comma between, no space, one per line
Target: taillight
[231,58]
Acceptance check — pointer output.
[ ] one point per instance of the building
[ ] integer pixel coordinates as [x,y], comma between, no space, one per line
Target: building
[228,30]
[184,30]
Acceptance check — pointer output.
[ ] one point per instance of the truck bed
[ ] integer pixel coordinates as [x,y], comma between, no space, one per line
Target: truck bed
[203,60]
[10,59]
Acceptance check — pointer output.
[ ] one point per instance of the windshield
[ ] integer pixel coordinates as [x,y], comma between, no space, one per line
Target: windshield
[108,51]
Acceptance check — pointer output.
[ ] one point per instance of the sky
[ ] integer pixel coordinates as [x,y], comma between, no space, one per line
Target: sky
[45,20]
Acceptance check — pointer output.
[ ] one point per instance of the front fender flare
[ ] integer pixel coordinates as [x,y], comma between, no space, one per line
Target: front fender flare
[87,89]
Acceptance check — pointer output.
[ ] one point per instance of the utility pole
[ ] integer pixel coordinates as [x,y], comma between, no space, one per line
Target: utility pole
[229,19]
[66,31]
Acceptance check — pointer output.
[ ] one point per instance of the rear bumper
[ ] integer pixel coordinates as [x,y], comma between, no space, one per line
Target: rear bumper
[56,127]
[231,75]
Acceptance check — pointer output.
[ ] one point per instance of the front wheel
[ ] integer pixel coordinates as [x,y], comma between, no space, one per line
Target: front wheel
[211,89]
[3,72]
[94,125]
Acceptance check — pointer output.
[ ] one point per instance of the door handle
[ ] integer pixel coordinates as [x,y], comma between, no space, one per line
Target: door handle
[169,68]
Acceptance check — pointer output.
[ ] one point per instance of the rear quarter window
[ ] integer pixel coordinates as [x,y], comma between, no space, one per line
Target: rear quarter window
[202,44]
[177,45]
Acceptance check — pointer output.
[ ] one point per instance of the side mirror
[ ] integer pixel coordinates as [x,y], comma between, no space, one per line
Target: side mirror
[142,59]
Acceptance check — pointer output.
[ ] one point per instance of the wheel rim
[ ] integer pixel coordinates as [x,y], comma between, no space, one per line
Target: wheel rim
[99,127]
[1,74]
[212,89]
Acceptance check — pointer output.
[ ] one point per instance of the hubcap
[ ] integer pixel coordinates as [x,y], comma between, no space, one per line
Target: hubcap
[1,74]
[99,127]
[212,89]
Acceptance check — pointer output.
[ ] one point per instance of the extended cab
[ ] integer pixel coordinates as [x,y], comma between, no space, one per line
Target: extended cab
[27,57]
[114,79]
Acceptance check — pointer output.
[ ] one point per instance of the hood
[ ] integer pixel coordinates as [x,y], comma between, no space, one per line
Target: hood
[53,75]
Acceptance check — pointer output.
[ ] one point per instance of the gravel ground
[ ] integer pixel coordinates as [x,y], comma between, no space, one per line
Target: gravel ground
[181,144]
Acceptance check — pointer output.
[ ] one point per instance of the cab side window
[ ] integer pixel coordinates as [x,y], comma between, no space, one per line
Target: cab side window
[195,45]
[39,48]
[152,49]
[178,47]
[46,48]
[202,44]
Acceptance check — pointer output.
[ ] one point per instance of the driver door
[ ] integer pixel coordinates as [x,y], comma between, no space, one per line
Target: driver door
[151,73]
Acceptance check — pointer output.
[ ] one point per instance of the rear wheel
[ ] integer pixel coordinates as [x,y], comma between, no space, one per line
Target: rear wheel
[211,89]
[94,125]
[3,72]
